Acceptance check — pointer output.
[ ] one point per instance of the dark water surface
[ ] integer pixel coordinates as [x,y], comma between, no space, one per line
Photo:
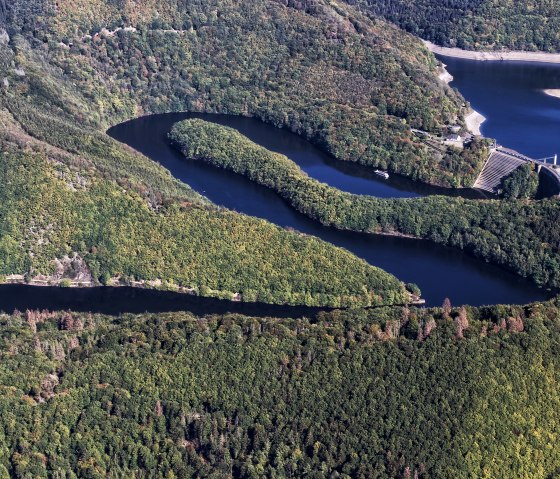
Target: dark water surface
[440,272]
[117,300]
[510,95]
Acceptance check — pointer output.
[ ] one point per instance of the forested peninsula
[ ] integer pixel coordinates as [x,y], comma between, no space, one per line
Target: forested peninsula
[516,234]
[97,232]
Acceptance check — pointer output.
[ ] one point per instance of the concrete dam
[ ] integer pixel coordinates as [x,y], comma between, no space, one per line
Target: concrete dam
[502,162]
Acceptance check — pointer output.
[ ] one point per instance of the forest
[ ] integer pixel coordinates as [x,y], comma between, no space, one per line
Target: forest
[63,87]
[197,247]
[518,235]
[383,393]
[66,77]
[376,390]
[523,182]
[468,24]
[475,24]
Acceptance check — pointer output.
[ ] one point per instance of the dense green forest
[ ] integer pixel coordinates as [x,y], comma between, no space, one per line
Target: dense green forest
[470,24]
[197,247]
[475,24]
[523,182]
[384,393]
[519,235]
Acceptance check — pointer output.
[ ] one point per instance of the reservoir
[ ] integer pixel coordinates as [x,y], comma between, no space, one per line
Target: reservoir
[439,271]
[510,95]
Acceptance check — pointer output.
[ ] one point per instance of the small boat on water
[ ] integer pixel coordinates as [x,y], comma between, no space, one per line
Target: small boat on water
[383,174]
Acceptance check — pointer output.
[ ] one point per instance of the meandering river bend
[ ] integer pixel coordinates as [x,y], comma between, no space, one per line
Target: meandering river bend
[439,271]
[519,116]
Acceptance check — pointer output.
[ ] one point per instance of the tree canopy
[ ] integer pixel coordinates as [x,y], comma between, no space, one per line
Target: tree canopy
[387,393]
[475,24]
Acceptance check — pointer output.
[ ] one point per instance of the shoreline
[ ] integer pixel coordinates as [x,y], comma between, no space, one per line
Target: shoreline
[444,75]
[415,300]
[474,121]
[158,286]
[554,92]
[523,56]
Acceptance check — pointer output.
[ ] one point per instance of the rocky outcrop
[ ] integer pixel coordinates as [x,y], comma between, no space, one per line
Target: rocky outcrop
[73,268]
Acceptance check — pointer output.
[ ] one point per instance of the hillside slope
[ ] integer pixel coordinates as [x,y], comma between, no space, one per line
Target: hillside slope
[58,224]
[352,85]
[390,394]
[78,206]
[475,24]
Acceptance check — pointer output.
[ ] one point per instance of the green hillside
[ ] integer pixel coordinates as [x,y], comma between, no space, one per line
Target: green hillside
[352,85]
[389,393]
[60,89]
[475,24]
[49,213]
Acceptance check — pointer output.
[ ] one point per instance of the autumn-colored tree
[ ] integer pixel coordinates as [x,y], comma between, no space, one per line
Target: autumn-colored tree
[446,306]
[429,327]
[67,322]
[515,325]
[420,333]
[461,323]
[158,408]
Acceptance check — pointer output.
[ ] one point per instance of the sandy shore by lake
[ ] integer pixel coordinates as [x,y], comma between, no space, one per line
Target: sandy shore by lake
[474,121]
[553,92]
[445,76]
[494,55]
